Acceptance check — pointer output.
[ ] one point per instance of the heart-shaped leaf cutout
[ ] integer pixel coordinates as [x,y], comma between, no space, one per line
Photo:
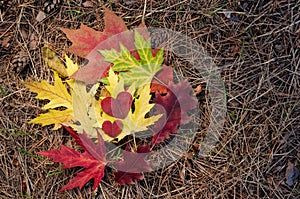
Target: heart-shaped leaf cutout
[118,107]
[112,129]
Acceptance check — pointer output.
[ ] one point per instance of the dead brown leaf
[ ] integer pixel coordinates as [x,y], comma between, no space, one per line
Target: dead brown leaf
[5,42]
[88,4]
[197,90]
[33,42]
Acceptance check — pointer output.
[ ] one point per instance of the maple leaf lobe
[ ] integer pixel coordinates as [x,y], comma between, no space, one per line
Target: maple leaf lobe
[93,160]
[174,105]
[86,42]
[132,165]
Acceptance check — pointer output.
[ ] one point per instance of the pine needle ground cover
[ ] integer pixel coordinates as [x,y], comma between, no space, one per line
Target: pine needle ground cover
[253,44]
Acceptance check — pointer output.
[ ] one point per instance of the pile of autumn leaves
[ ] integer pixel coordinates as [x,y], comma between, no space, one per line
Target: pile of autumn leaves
[131,91]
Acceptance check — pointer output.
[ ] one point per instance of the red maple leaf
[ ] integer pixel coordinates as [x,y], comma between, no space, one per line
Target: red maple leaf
[174,105]
[132,165]
[93,160]
[162,79]
[86,42]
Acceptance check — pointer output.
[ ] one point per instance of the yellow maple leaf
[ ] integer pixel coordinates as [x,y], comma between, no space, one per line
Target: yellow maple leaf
[135,121]
[57,65]
[84,109]
[57,93]
[114,85]
[55,117]
[71,67]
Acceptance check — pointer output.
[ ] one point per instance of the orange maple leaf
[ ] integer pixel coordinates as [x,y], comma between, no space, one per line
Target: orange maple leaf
[86,42]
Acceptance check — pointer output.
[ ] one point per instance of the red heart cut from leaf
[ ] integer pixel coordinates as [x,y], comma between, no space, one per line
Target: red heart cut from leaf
[112,129]
[118,107]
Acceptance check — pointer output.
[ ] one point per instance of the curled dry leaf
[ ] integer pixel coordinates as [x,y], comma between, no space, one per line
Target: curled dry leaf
[53,61]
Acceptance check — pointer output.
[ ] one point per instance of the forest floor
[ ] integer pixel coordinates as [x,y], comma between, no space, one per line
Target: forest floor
[254,44]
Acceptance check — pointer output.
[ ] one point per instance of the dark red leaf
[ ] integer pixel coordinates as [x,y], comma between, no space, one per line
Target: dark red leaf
[174,106]
[96,172]
[75,136]
[118,107]
[132,165]
[112,129]
[122,177]
[162,79]
[93,160]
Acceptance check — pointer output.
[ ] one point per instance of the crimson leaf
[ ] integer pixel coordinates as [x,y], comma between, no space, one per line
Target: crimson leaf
[174,105]
[93,160]
[132,165]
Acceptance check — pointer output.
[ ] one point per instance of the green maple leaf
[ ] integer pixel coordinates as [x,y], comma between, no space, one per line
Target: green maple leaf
[131,69]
